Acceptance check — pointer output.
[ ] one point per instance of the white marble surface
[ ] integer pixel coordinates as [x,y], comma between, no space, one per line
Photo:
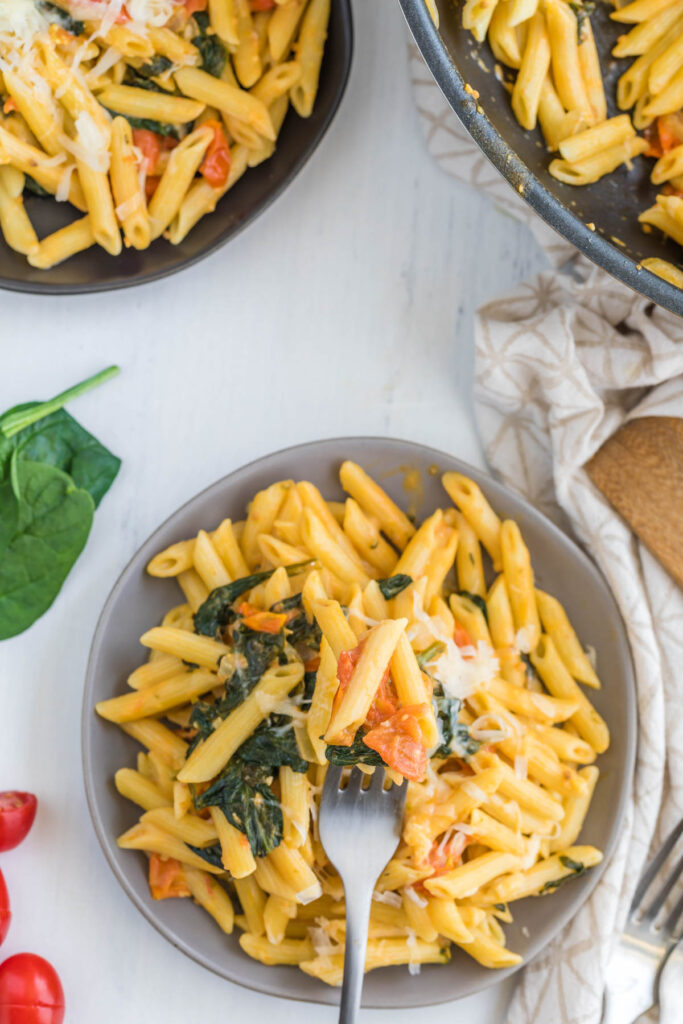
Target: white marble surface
[372,265]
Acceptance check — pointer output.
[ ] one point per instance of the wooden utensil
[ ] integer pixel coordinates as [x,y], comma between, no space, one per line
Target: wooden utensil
[640,472]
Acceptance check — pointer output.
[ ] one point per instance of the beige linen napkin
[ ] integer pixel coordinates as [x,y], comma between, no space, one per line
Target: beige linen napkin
[561,362]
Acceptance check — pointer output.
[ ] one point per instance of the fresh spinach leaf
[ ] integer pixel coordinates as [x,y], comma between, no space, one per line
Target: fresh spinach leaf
[246,799]
[357,753]
[211,854]
[575,866]
[476,600]
[62,18]
[393,585]
[273,744]
[52,519]
[213,53]
[216,611]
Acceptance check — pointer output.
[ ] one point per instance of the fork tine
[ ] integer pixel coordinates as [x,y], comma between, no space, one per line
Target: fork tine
[378,778]
[332,779]
[655,865]
[660,899]
[353,785]
[673,920]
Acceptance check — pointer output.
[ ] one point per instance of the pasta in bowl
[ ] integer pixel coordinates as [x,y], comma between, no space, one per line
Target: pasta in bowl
[131,122]
[321,632]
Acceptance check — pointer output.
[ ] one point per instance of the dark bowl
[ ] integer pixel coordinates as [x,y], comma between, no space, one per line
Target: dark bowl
[95,270]
[612,204]
[137,601]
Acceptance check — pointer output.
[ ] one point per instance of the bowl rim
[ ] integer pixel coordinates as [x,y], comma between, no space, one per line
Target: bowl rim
[556,535]
[520,177]
[47,288]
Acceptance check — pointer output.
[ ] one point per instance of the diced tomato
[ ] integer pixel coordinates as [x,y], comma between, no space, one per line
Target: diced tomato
[10,106]
[664,134]
[121,18]
[191,6]
[149,143]
[384,703]
[461,637]
[261,5]
[313,664]
[398,741]
[261,622]
[444,856]
[215,166]
[166,878]
[151,185]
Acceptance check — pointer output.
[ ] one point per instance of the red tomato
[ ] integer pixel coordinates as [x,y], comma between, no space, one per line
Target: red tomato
[5,913]
[166,878]
[461,637]
[215,166]
[30,991]
[261,5]
[384,703]
[194,5]
[398,741]
[261,622]
[17,811]
[150,145]
[151,184]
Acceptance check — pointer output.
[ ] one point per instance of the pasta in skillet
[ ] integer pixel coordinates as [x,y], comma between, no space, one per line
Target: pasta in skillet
[555,82]
[142,114]
[319,632]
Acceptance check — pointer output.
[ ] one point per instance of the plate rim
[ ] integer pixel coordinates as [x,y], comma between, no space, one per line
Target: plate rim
[520,177]
[50,289]
[557,535]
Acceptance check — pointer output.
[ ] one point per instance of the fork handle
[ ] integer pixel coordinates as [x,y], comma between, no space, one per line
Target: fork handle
[358,903]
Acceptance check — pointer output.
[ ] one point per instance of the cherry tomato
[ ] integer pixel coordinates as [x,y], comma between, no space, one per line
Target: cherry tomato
[149,143]
[30,991]
[5,913]
[194,5]
[398,740]
[17,811]
[215,166]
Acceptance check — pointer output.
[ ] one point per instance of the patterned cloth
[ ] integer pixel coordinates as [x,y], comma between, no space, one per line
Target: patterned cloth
[561,362]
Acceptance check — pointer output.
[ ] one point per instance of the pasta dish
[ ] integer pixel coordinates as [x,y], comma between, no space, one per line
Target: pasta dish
[554,77]
[142,114]
[318,632]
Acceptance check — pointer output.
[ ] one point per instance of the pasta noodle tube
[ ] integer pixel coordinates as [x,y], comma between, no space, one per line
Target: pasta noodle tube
[664,269]
[253,901]
[14,221]
[182,166]
[38,109]
[30,160]
[179,689]
[293,868]
[62,244]
[277,81]
[335,627]
[412,689]
[151,839]
[417,553]
[557,625]
[376,503]
[282,25]
[564,49]
[131,207]
[503,37]
[223,16]
[318,717]
[190,828]
[309,51]
[468,878]
[487,951]
[97,192]
[277,914]
[551,115]
[311,498]
[640,10]
[156,106]
[289,951]
[590,726]
[200,650]
[669,100]
[596,139]
[367,539]
[328,552]
[212,755]
[263,511]
[668,166]
[468,497]
[468,561]
[210,895]
[353,707]
[543,874]
[476,16]
[643,37]
[229,99]
[140,790]
[658,218]
[445,916]
[526,93]
[519,582]
[158,739]
[588,171]
[236,855]
[589,61]
[208,564]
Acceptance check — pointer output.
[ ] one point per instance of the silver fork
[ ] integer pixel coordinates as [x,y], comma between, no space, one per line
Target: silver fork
[359,829]
[636,968]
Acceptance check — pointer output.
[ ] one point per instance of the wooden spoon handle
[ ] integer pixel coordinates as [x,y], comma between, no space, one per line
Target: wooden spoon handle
[640,471]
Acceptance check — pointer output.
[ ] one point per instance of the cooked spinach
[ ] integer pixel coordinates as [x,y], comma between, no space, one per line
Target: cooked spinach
[531,673]
[273,744]
[583,11]
[476,600]
[156,67]
[31,185]
[216,612]
[243,794]
[145,124]
[255,652]
[309,689]
[62,18]
[455,736]
[430,653]
[300,632]
[393,585]
[213,53]
[576,868]
[53,473]
[357,753]
[211,854]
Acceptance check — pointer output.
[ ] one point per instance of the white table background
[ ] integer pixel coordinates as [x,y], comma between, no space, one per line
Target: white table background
[347,308]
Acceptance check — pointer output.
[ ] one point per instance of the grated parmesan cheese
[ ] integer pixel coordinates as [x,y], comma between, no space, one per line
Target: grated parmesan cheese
[461,671]
[391,898]
[410,893]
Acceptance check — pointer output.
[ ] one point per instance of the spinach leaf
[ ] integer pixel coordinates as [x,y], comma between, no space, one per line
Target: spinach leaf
[62,18]
[300,632]
[156,67]
[255,652]
[583,11]
[476,600]
[393,585]
[52,519]
[246,799]
[216,611]
[147,125]
[575,866]
[31,185]
[531,672]
[357,753]
[211,854]
[309,689]
[273,744]
[429,654]
[455,736]
[213,53]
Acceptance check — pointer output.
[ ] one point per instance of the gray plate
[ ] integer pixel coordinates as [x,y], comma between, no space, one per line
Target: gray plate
[138,602]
